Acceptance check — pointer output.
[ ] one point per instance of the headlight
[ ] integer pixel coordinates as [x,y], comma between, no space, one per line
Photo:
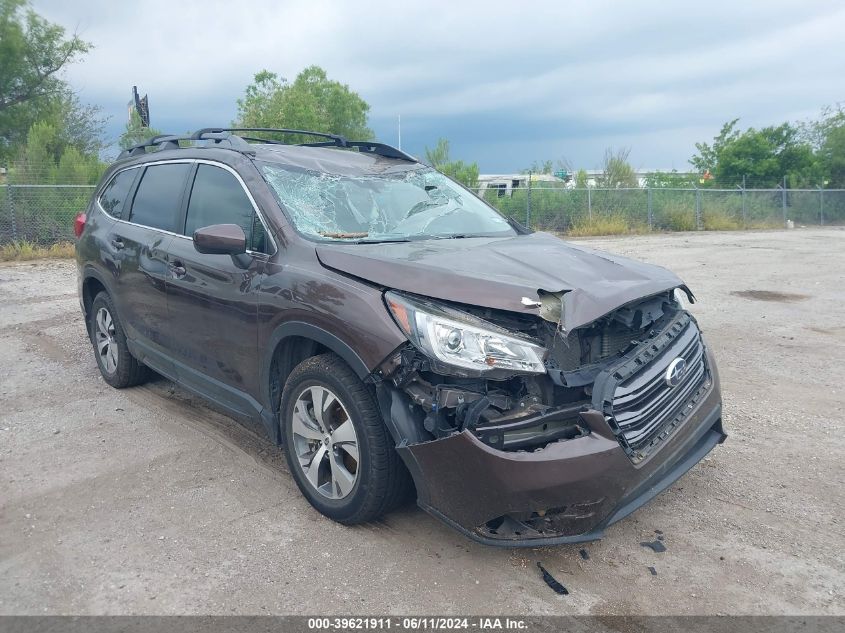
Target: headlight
[462,340]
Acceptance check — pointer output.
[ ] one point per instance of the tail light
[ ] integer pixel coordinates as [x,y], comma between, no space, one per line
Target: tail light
[79,224]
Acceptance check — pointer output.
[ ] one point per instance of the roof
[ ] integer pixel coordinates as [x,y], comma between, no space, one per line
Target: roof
[332,153]
[333,160]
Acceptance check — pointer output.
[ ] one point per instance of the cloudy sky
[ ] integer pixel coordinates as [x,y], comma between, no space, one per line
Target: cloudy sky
[506,83]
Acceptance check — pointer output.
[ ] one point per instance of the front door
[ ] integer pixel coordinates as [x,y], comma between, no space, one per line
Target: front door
[212,299]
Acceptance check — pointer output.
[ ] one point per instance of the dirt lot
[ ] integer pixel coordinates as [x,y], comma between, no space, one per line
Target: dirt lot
[147,501]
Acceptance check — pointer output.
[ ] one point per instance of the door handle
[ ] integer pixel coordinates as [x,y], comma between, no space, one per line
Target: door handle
[117,244]
[177,269]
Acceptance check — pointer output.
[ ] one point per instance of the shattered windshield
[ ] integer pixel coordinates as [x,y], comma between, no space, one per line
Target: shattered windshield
[414,204]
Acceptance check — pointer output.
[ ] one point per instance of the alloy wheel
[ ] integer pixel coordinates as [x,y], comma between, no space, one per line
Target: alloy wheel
[325,442]
[106,343]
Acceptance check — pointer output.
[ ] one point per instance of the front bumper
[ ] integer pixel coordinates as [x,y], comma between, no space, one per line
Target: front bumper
[566,492]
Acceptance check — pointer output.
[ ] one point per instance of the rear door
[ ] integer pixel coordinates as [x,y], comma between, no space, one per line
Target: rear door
[138,243]
[212,301]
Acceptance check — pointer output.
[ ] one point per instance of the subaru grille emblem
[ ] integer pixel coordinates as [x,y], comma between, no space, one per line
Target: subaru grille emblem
[675,372]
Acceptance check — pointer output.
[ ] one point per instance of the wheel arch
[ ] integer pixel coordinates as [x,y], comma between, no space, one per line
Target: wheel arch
[92,285]
[293,342]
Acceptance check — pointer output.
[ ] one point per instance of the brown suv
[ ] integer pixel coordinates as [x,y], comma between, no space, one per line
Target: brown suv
[393,332]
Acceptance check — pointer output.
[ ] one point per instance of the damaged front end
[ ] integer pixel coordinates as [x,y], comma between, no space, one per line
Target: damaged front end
[518,432]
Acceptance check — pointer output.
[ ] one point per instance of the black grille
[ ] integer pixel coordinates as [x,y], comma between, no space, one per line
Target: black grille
[645,409]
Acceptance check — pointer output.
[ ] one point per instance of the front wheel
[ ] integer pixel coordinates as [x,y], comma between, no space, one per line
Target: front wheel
[336,445]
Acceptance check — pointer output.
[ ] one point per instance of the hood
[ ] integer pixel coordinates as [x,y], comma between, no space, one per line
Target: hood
[500,272]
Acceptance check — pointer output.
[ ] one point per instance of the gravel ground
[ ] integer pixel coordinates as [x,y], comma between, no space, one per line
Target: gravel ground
[147,501]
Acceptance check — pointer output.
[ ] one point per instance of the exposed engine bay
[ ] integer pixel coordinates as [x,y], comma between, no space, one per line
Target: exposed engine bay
[513,411]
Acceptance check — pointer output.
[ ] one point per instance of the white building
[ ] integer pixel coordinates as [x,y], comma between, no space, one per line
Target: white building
[506,184]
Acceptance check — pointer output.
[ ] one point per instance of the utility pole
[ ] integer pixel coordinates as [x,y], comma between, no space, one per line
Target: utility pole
[744,219]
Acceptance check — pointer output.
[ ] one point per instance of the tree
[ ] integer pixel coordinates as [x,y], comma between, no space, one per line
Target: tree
[763,157]
[708,155]
[464,173]
[311,102]
[439,154]
[617,172]
[671,180]
[46,158]
[581,179]
[135,132]
[816,131]
[33,53]
[832,157]
[827,135]
[81,126]
[540,167]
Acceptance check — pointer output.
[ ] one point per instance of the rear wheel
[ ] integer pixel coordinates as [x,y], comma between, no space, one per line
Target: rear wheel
[118,367]
[336,445]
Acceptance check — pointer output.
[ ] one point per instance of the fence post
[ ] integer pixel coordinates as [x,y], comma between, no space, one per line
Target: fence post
[744,216]
[698,223]
[650,208]
[9,190]
[590,203]
[821,204]
[528,204]
[783,198]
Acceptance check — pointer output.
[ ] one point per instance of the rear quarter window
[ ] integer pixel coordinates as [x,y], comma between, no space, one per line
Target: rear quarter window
[114,195]
[159,196]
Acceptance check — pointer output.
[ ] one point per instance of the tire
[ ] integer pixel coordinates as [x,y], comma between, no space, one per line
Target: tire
[118,367]
[381,480]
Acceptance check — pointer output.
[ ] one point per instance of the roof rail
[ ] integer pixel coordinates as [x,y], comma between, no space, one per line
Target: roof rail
[335,140]
[227,137]
[338,140]
[171,141]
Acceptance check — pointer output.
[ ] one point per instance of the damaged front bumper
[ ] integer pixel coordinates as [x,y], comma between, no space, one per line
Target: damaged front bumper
[569,490]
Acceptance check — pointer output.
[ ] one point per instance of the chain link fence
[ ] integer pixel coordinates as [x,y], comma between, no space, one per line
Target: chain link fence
[43,214]
[597,211]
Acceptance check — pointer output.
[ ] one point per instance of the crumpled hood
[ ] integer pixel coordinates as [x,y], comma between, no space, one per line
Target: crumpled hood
[499,272]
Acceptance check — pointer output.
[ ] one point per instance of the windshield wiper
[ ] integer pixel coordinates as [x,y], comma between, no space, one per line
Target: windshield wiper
[344,236]
[405,238]
[385,239]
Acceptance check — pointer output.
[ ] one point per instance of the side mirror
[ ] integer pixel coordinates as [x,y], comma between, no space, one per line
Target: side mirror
[220,239]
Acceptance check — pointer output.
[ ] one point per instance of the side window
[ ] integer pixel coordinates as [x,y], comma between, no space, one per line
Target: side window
[218,198]
[115,193]
[159,196]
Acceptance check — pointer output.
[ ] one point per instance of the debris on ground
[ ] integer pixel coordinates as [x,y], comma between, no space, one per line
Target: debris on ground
[584,554]
[653,571]
[552,582]
[657,546]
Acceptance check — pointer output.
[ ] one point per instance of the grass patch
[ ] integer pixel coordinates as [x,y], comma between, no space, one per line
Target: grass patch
[23,251]
[764,224]
[605,225]
[720,221]
[678,217]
